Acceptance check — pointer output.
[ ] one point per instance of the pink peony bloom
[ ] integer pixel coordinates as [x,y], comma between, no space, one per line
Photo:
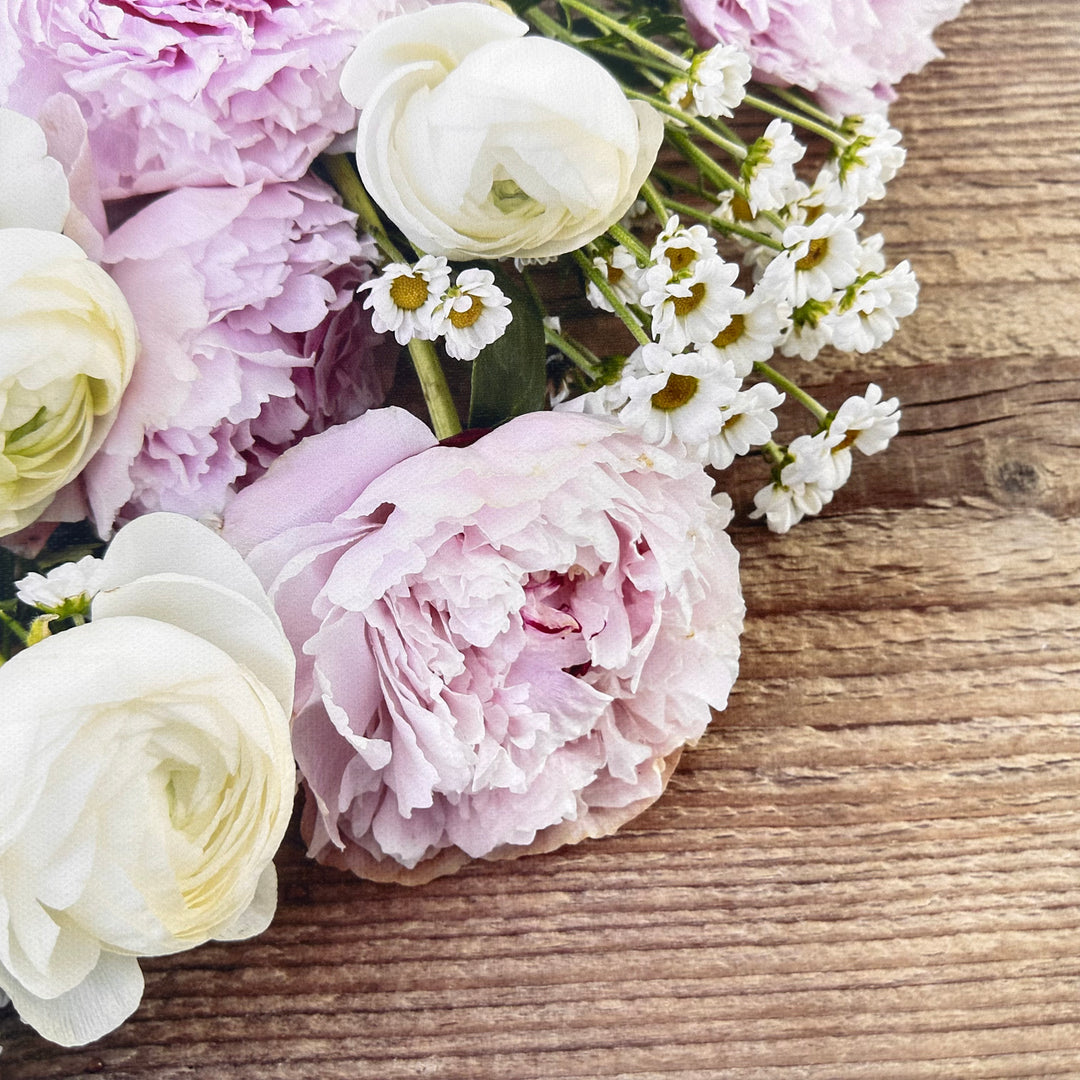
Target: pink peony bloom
[849,53]
[187,92]
[251,338]
[502,647]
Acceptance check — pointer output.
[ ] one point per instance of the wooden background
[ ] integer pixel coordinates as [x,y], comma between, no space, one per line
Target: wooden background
[870,867]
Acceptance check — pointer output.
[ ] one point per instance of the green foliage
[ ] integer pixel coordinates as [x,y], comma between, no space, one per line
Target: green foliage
[509,376]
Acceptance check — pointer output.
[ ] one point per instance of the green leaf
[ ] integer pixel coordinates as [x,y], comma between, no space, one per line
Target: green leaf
[509,376]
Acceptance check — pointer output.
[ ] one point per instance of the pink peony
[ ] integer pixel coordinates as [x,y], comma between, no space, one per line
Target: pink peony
[186,92]
[849,53]
[502,647]
[251,338]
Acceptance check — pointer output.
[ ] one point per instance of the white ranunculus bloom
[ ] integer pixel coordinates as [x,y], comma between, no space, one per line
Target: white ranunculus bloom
[146,781]
[479,142]
[67,346]
[33,187]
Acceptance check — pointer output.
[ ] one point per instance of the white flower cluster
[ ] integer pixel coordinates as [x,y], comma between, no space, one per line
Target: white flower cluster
[418,301]
[816,283]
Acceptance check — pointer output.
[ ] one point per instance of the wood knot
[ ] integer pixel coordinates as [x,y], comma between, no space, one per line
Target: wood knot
[1017,478]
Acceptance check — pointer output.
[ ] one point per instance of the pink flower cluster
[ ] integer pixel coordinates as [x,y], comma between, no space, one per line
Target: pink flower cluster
[181,92]
[503,646]
[849,53]
[251,338]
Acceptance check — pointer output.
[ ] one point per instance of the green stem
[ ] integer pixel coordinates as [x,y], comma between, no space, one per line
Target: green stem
[730,227]
[14,626]
[633,324]
[774,453]
[440,403]
[606,22]
[796,118]
[356,199]
[692,122]
[630,242]
[800,103]
[818,410]
[655,202]
[590,364]
[594,45]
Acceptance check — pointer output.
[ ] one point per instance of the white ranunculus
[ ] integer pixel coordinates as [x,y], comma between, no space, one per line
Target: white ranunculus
[67,346]
[33,187]
[146,780]
[479,142]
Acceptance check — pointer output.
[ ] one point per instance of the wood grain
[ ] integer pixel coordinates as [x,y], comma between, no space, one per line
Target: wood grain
[870,866]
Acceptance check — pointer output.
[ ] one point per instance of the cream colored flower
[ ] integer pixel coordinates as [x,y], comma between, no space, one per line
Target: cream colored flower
[479,142]
[146,781]
[67,347]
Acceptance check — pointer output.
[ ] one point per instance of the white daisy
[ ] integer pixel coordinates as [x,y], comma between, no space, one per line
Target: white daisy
[474,313]
[768,170]
[866,422]
[624,276]
[717,80]
[860,171]
[690,306]
[681,397]
[679,246]
[403,297]
[67,589]
[804,485]
[826,256]
[810,329]
[749,421]
[753,333]
[871,308]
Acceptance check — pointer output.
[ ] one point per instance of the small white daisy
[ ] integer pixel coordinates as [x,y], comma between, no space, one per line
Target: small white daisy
[860,171]
[403,297]
[690,306]
[871,308]
[67,589]
[826,256]
[472,314]
[866,422]
[805,485]
[624,276]
[752,335]
[717,80]
[768,170]
[749,421]
[679,397]
[810,329]
[679,246]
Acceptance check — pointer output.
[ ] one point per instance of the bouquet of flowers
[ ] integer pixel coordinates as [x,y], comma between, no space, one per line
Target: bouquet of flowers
[230,568]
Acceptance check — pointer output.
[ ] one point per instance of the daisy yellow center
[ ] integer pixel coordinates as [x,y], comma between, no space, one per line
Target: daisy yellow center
[409,291]
[731,333]
[815,254]
[464,319]
[680,258]
[678,391]
[740,209]
[685,304]
[615,274]
[847,441]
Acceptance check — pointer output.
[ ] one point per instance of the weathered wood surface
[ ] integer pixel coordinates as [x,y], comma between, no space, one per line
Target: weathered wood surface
[871,867]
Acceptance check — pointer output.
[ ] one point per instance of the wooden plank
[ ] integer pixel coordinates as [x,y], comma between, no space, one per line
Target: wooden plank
[869,868]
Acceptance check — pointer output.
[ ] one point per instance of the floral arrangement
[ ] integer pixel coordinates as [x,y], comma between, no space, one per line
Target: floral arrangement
[229,568]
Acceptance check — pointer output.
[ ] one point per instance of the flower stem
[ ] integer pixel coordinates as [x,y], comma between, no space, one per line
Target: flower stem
[440,403]
[724,226]
[633,324]
[13,625]
[655,201]
[606,22]
[705,164]
[356,199]
[692,122]
[819,412]
[573,352]
[802,120]
[800,103]
[630,242]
